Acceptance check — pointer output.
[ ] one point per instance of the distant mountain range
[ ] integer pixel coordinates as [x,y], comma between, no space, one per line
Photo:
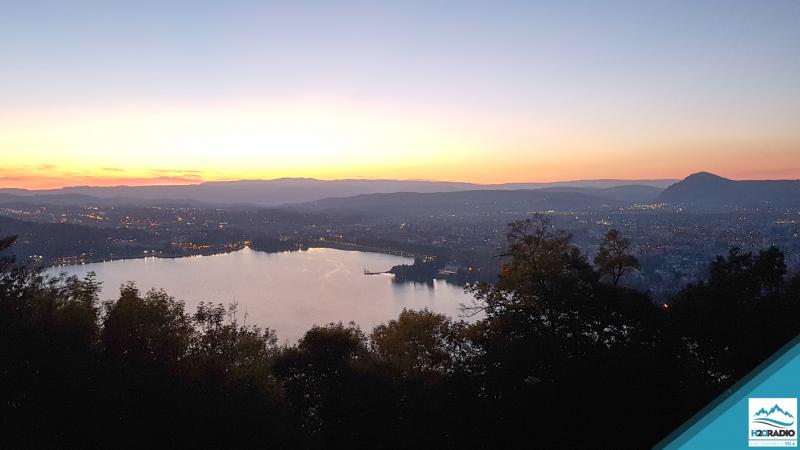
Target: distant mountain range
[478,202]
[282,191]
[703,189]
[707,190]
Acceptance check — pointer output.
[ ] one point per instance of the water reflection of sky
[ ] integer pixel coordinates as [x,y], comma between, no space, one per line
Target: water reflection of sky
[288,292]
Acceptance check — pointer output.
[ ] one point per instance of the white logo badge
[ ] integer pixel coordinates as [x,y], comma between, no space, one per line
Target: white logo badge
[773,422]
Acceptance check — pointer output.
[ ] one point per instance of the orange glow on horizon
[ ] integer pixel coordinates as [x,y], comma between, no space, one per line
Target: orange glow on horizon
[335,139]
[22,180]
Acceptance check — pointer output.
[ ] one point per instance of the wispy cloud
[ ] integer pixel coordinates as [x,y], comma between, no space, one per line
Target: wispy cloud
[172,171]
[46,176]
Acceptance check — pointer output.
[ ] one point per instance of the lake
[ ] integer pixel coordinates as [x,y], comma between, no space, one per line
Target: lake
[288,292]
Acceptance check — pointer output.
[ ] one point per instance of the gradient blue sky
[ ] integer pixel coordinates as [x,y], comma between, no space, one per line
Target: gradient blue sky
[491,91]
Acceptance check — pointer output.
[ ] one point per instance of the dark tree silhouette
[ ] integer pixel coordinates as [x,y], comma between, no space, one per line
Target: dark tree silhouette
[614,258]
[742,312]
[551,342]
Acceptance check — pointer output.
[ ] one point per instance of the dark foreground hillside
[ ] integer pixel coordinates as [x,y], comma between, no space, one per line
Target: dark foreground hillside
[563,358]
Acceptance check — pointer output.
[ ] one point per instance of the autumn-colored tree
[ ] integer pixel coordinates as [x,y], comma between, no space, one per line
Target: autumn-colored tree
[418,343]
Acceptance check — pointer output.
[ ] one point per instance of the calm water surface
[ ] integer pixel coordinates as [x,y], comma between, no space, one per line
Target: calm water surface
[288,292]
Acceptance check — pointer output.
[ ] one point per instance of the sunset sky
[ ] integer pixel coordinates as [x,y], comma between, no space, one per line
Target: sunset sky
[102,93]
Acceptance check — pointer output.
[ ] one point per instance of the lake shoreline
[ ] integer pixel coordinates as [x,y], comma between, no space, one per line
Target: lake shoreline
[287,291]
[335,245]
[345,246]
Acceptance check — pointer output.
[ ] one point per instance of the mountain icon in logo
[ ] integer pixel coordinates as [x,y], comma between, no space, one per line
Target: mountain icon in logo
[781,418]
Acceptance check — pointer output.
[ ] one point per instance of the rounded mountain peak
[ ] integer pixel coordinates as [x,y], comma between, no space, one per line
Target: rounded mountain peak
[705,177]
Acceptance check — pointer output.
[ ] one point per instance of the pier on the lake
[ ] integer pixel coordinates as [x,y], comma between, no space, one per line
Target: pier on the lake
[368,272]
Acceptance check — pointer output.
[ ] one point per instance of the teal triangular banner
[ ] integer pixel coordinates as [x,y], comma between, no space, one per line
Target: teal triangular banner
[727,423]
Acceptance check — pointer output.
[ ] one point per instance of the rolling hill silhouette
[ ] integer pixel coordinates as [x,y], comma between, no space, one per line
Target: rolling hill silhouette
[705,189]
[300,190]
[460,203]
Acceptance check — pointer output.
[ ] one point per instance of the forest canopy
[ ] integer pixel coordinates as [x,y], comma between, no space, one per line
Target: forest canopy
[558,338]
